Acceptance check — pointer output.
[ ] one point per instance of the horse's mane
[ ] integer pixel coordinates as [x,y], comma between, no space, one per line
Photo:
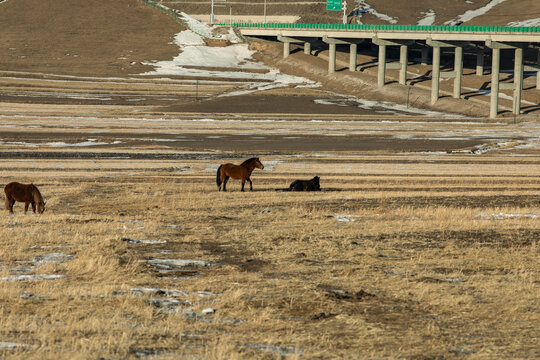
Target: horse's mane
[249,161]
[35,193]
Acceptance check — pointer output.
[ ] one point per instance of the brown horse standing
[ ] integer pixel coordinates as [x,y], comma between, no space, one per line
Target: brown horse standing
[242,171]
[26,193]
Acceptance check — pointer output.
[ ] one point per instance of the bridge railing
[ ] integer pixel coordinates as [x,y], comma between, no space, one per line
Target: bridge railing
[411,28]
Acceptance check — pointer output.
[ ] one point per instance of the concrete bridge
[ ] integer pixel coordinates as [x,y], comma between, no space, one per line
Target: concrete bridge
[484,39]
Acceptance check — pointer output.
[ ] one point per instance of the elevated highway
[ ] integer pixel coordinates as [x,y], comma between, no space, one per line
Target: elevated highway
[484,39]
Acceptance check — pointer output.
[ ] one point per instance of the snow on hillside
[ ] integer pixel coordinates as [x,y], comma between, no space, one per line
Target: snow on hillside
[428,19]
[530,22]
[198,60]
[210,32]
[471,14]
[366,8]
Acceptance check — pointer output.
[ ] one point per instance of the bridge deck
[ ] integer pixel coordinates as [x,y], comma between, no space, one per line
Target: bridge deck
[395,32]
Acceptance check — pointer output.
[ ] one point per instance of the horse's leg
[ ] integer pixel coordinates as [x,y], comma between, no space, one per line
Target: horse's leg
[243,183]
[9,203]
[26,206]
[250,184]
[225,183]
[33,207]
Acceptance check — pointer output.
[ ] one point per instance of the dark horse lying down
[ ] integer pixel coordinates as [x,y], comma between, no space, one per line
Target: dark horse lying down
[306,185]
[242,171]
[26,193]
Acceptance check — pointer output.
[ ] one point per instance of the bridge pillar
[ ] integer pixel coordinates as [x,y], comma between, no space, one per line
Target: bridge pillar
[307,48]
[458,66]
[425,55]
[435,74]
[286,49]
[288,40]
[381,74]
[332,42]
[458,69]
[480,62]
[495,69]
[538,72]
[403,60]
[332,58]
[518,80]
[352,57]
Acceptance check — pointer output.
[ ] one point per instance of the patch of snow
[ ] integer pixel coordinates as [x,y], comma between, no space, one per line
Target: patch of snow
[195,58]
[208,31]
[168,302]
[471,14]
[269,164]
[428,19]
[50,247]
[366,8]
[172,226]
[172,263]
[188,38]
[52,257]
[530,22]
[503,216]
[90,142]
[346,218]
[31,277]
[501,95]
[397,109]
[145,242]
[10,345]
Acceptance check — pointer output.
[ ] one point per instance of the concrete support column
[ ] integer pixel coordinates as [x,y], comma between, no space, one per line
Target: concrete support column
[458,69]
[352,57]
[538,72]
[332,58]
[435,74]
[307,48]
[425,55]
[382,66]
[495,69]
[286,49]
[518,80]
[480,62]
[403,59]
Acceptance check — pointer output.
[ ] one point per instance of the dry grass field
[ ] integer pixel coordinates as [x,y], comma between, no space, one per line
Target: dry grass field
[402,255]
[422,244]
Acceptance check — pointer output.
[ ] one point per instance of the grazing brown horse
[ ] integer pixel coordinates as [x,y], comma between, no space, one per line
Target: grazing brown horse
[26,193]
[242,171]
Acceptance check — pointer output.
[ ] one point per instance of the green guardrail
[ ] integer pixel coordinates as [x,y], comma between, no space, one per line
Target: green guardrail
[412,28]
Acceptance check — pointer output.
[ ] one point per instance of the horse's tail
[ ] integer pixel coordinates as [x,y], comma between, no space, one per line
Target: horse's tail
[218,177]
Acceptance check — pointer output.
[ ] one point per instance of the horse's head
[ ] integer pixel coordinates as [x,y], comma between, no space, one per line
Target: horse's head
[258,164]
[41,207]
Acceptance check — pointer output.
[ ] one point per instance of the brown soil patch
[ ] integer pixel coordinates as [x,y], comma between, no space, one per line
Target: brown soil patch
[88,37]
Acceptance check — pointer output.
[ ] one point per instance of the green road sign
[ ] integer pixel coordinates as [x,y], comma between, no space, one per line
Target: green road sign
[334,5]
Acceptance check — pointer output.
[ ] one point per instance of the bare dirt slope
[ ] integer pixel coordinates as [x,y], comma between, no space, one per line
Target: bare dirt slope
[402,11]
[87,37]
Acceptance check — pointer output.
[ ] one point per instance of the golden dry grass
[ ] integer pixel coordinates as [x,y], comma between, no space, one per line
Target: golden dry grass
[426,266]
